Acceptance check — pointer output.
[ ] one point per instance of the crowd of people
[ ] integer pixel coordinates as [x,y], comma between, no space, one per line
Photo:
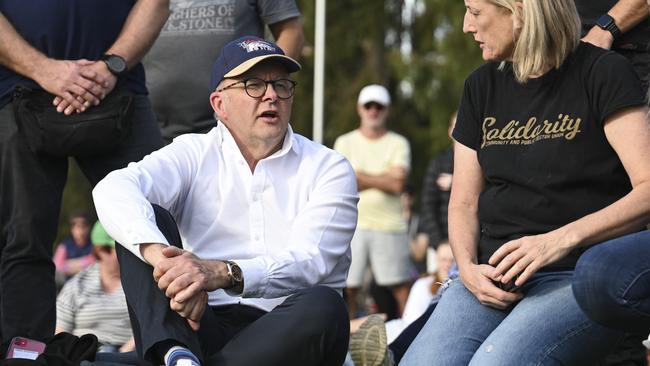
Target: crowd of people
[226,238]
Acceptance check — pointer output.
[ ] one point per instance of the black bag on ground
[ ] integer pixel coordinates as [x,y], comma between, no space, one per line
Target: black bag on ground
[97,130]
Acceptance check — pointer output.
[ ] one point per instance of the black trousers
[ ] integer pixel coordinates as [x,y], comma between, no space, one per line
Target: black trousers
[31,186]
[311,327]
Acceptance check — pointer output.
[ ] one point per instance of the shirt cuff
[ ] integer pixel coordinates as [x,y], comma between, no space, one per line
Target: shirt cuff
[141,234]
[255,278]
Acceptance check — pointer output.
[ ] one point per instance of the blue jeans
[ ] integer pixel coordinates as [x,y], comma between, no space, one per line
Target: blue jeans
[612,282]
[547,327]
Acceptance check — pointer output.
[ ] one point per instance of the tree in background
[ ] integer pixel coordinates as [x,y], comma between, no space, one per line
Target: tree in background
[416,48]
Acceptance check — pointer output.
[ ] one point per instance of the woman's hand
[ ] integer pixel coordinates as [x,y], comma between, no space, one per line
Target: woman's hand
[477,278]
[519,259]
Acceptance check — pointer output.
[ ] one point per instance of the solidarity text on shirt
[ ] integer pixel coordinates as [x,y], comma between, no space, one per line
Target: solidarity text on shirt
[515,133]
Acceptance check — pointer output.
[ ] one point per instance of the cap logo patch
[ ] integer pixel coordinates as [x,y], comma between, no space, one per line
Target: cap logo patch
[253,45]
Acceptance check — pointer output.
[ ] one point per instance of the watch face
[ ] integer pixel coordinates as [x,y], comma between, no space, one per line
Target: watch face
[116,64]
[604,21]
[607,23]
[236,273]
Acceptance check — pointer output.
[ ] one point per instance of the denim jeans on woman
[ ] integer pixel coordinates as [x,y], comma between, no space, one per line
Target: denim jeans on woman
[612,283]
[547,327]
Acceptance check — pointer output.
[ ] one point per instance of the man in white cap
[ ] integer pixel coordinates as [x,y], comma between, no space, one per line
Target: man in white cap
[265,219]
[381,161]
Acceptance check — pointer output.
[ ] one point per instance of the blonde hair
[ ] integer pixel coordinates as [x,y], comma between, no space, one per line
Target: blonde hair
[547,32]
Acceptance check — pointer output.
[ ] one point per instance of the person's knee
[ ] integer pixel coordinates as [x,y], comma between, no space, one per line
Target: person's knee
[593,287]
[588,273]
[323,308]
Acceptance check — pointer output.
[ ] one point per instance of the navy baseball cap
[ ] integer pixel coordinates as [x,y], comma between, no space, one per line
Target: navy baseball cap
[243,53]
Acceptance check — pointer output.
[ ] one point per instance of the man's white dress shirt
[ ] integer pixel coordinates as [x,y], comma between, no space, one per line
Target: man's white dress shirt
[288,224]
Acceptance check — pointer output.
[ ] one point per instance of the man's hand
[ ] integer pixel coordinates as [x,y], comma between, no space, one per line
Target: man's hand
[66,80]
[444,181]
[478,280]
[184,274]
[523,257]
[186,280]
[599,37]
[191,309]
[95,72]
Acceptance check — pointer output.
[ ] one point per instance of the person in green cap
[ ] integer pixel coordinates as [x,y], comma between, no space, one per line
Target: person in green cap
[93,300]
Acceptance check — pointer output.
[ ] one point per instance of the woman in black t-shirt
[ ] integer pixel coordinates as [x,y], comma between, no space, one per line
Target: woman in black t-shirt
[553,156]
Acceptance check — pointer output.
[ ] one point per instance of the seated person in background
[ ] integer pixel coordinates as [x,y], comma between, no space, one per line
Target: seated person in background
[422,292]
[93,300]
[551,158]
[74,253]
[266,218]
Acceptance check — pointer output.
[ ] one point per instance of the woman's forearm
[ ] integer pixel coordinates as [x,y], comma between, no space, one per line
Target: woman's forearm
[463,233]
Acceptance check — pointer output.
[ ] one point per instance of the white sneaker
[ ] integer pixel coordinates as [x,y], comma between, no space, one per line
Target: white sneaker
[646,343]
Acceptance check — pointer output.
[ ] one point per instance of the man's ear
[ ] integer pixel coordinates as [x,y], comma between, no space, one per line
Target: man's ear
[360,107]
[217,103]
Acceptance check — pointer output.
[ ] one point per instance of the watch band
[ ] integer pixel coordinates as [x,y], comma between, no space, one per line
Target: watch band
[607,23]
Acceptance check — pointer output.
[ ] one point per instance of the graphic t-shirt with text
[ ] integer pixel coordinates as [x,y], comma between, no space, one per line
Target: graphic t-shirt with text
[542,146]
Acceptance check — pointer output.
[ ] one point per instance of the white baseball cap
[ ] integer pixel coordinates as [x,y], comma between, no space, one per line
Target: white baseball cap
[374,93]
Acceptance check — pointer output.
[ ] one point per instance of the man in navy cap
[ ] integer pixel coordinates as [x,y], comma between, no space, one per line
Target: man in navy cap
[265,219]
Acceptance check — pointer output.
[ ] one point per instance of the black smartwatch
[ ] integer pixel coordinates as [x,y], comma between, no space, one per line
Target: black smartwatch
[116,64]
[236,277]
[607,23]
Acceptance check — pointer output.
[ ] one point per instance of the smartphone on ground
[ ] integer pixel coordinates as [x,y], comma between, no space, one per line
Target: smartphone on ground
[22,347]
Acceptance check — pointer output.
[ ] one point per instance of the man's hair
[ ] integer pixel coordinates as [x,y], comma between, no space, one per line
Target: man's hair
[79,214]
[549,30]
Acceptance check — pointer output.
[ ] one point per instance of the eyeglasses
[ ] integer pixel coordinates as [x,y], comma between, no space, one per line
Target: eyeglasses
[371,105]
[256,88]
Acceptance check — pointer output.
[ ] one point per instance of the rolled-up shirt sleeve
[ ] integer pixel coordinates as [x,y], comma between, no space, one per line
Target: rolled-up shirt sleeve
[319,248]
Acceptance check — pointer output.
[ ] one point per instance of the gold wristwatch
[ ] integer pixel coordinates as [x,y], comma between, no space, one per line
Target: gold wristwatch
[235,276]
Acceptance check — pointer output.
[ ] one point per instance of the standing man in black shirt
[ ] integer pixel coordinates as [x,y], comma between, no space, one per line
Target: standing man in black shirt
[619,25]
[81,52]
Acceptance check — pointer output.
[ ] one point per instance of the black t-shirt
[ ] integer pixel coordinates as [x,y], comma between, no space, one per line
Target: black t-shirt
[68,30]
[541,145]
[637,38]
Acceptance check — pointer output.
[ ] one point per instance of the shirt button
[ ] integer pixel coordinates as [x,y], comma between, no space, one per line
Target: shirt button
[257,238]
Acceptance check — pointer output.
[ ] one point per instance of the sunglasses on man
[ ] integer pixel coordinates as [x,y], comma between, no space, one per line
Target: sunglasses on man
[371,105]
